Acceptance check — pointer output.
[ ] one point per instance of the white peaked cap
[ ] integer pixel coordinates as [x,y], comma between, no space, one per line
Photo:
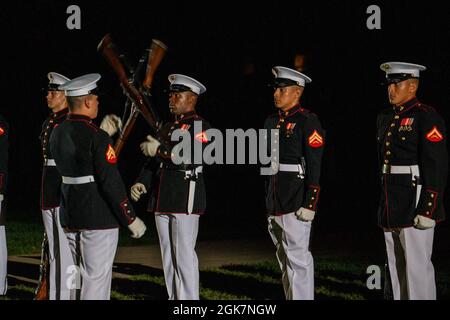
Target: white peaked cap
[81,86]
[56,78]
[402,67]
[296,77]
[178,81]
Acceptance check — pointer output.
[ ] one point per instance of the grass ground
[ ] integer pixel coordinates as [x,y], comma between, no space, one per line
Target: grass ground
[337,277]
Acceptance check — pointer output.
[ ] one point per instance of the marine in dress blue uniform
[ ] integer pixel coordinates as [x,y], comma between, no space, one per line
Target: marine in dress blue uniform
[293,190]
[94,201]
[178,198]
[60,258]
[413,167]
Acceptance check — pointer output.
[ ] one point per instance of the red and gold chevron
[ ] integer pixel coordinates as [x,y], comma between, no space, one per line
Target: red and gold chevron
[315,140]
[201,137]
[111,155]
[434,135]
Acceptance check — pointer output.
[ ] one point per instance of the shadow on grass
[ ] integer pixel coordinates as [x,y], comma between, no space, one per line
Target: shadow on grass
[241,285]
[146,283]
[265,269]
[337,284]
[342,286]
[25,270]
[258,281]
[139,289]
[133,269]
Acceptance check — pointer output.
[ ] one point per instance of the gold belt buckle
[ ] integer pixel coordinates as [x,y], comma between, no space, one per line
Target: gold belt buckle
[386,168]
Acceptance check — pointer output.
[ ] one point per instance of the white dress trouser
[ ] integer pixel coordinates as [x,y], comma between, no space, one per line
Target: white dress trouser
[59,255]
[177,237]
[3,261]
[409,257]
[93,252]
[291,238]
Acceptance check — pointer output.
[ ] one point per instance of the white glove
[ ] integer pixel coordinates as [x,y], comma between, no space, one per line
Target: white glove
[150,146]
[423,223]
[111,124]
[305,214]
[1,198]
[137,228]
[137,190]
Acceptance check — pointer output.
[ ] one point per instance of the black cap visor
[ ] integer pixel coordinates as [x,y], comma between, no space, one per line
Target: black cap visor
[282,82]
[397,77]
[53,87]
[179,88]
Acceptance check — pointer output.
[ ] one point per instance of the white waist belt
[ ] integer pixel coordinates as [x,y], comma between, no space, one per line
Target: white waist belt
[412,170]
[49,163]
[191,193]
[194,171]
[78,180]
[291,168]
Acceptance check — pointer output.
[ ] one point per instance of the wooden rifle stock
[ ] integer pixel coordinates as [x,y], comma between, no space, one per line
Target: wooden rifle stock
[108,49]
[157,51]
[155,56]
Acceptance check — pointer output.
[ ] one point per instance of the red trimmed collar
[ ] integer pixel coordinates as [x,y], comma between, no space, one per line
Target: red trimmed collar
[290,112]
[406,106]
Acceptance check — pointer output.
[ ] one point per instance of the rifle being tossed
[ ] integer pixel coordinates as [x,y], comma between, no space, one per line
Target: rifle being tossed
[139,98]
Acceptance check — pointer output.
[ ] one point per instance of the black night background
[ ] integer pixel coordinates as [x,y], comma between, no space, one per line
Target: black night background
[231,48]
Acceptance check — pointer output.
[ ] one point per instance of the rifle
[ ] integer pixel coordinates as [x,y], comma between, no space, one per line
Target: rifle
[42,291]
[140,99]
